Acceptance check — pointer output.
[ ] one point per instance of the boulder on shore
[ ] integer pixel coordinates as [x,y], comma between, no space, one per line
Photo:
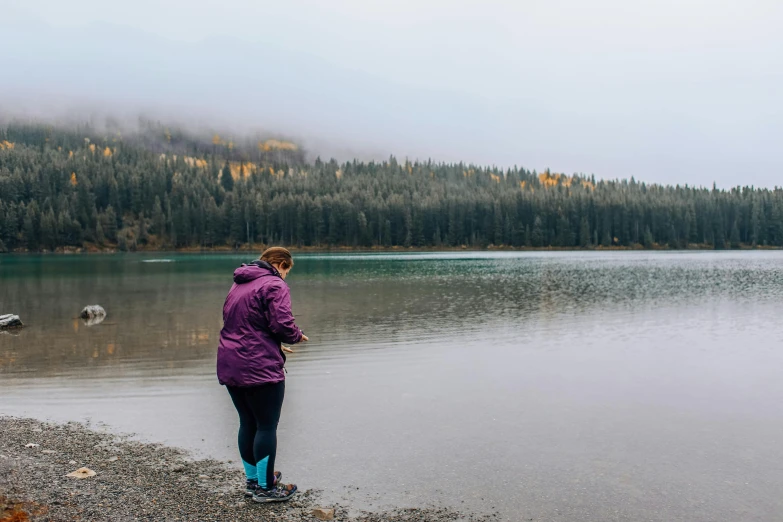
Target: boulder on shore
[92,311]
[10,321]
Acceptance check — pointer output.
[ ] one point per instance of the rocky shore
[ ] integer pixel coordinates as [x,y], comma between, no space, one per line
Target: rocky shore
[140,481]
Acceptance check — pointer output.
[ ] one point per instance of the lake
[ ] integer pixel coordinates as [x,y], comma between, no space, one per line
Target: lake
[545,386]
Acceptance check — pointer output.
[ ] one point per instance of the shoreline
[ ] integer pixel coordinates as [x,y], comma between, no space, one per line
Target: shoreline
[92,249]
[142,481]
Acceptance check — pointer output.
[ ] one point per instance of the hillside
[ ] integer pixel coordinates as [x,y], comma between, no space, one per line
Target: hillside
[161,188]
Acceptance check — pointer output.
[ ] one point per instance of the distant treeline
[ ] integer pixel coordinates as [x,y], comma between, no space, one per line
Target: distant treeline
[163,188]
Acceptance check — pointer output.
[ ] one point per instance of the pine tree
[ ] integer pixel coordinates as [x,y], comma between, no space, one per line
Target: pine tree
[110,224]
[141,230]
[754,224]
[226,179]
[649,241]
[408,229]
[387,233]
[99,236]
[564,235]
[735,235]
[364,235]
[498,224]
[10,230]
[31,227]
[537,237]
[49,199]
[158,218]
[584,233]
[49,237]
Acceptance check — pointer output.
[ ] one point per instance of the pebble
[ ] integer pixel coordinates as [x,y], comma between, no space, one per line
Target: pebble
[31,445]
[323,513]
[113,459]
[141,489]
[81,473]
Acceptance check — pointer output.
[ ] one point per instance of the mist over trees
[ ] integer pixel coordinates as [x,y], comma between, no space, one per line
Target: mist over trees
[166,188]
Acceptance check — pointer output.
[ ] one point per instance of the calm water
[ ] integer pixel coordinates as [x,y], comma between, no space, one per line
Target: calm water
[552,386]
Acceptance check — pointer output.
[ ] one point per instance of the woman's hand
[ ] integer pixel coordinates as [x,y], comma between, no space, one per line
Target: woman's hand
[288,349]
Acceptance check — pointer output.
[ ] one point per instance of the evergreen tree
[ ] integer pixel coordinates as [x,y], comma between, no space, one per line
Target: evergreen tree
[226,179]
[387,233]
[31,227]
[49,239]
[10,227]
[158,218]
[649,241]
[51,198]
[141,231]
[110,224]
[537,238]
[735,236]
[584,233]
[100,238]
[564,235]
[364,234]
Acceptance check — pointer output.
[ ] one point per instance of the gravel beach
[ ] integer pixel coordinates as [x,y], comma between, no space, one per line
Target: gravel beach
[140,481]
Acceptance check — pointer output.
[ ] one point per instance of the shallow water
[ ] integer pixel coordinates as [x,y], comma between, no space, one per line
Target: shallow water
[551,386]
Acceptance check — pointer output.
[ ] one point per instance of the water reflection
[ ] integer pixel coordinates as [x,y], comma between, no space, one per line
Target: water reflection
[167,314]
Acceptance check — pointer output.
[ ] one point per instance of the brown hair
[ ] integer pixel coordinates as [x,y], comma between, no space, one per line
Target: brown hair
[278,256]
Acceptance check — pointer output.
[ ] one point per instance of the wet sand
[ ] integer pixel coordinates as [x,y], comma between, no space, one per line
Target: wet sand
[141,481]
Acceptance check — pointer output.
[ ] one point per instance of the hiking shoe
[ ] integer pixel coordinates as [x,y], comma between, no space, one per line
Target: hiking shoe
[279,493]
[252,485]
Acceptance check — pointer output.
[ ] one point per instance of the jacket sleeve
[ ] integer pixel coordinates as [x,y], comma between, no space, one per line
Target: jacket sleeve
[281,319]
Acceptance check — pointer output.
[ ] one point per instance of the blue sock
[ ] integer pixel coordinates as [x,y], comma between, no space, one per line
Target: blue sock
[250,471]
[261,472]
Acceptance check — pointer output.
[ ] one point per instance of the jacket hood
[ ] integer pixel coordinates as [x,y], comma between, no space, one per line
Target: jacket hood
[252,271]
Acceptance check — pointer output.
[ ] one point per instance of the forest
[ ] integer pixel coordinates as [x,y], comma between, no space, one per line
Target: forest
[165,188]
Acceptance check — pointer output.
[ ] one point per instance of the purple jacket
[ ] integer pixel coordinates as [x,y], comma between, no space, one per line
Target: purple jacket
[256,319]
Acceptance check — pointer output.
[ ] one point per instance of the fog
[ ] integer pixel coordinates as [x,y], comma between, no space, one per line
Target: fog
[668,92]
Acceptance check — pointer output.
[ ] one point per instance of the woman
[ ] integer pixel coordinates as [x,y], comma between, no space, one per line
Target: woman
[257,318]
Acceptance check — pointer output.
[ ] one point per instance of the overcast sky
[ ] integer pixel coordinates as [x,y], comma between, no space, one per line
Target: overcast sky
[684,91]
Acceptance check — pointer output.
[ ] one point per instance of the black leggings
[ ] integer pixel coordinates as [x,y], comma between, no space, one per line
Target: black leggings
[259,412]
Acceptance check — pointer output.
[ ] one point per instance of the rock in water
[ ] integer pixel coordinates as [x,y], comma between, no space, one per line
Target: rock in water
[10,321]
[98,319]
[323,513]
[92,311]
[81,473]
